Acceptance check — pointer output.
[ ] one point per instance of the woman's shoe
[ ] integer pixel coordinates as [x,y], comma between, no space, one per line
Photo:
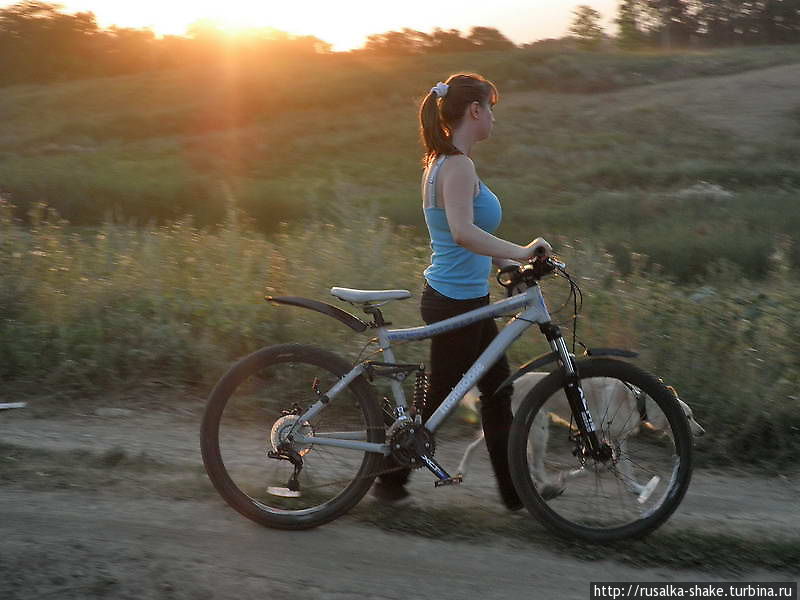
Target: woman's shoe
[389,494]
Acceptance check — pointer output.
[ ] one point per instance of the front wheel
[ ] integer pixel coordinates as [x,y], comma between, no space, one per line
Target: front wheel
[637,482]
[246,421]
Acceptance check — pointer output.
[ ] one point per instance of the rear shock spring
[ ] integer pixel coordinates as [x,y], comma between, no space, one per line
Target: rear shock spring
[422,385]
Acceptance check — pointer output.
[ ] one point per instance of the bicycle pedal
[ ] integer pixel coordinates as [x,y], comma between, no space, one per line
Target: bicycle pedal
[449,481]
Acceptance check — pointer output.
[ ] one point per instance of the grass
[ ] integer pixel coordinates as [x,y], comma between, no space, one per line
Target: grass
[149,148]
[124,307]
[682,235]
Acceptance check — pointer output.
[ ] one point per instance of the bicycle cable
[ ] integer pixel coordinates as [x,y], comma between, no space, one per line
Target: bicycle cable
[364,347]
[577,304]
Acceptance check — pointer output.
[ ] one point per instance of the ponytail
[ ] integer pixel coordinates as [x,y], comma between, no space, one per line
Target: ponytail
[435,135]
[439,116]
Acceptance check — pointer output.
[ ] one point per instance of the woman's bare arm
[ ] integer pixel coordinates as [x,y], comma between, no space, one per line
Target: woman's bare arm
[458,185]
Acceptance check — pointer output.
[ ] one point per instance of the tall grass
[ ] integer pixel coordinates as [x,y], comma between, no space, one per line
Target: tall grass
[122,306]
[89,310]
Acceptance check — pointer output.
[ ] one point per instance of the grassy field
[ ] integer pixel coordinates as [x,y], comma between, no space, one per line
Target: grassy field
[568,158]
[681,232]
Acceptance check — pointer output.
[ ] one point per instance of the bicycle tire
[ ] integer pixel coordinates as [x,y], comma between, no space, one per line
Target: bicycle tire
[252,393]
[626,497]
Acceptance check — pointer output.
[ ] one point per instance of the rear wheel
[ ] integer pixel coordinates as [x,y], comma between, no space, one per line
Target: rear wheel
[639,481]
[248,416]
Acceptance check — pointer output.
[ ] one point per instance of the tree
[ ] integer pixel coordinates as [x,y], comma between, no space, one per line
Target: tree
[450,41]
[37,42]
[714,23]
[586,27]
[410,41]
[674,22]
[628,20]
[774,21]
[488,38]
[407,41]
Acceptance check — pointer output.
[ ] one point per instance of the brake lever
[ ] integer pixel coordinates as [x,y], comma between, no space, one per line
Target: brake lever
[556,263]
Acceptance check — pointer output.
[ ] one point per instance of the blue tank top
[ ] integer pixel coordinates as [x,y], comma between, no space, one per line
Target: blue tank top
[455,271]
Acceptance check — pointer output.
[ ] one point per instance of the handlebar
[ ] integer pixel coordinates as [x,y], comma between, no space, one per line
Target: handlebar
[540,252]
[539,266]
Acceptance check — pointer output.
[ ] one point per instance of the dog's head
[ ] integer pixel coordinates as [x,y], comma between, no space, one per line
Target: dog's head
[697,429]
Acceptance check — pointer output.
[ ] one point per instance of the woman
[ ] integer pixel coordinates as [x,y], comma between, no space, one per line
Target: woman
[461,214]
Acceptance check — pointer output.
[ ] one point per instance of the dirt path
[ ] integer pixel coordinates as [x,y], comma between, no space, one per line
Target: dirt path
[720,500]
[755,105]
[155,529]
[67,545]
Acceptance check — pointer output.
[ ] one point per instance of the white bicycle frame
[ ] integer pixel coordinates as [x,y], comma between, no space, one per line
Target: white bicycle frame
[533,311]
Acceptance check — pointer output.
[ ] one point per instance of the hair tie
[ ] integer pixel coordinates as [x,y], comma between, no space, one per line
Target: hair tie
[440,89]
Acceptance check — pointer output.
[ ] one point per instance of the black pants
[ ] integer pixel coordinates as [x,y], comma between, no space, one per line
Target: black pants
[452,353]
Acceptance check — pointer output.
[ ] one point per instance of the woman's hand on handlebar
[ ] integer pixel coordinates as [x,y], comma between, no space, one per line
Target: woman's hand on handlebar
[539,248]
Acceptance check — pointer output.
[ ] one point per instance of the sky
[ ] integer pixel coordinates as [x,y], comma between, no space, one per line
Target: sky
[346,23]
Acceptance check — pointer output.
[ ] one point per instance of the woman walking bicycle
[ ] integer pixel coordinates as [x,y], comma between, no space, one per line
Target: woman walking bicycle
[462,213]
[293,435]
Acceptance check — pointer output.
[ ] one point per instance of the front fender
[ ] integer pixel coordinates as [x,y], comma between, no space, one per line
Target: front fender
[352,321]
[545,359]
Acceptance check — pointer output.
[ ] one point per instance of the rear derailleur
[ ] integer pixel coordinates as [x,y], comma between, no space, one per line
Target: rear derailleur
[286,453]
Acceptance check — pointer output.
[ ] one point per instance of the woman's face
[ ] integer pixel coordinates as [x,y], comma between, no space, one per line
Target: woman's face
[484,120]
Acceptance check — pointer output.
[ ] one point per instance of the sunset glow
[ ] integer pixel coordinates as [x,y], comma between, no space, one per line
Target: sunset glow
[346,23]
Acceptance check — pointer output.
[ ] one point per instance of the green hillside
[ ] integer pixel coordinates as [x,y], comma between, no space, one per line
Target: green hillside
[586,145]
[622,160]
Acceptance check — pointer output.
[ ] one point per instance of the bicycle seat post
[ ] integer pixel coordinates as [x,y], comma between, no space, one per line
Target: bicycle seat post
[377,315]
[395,381]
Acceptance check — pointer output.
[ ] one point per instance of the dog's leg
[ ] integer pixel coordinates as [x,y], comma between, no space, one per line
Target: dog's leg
[537,447]
[549,487]
[462,466]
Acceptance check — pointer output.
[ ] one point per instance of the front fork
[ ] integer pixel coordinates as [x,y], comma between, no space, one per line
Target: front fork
[575,396]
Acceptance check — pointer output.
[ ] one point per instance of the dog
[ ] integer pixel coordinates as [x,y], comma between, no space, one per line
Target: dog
[605,396]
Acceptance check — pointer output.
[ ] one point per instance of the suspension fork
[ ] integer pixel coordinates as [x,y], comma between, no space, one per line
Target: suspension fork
[573,390]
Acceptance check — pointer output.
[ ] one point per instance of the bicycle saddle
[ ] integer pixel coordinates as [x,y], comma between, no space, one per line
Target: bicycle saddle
[364,296]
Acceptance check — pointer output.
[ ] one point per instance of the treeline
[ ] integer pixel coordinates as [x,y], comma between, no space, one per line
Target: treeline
[707,23]
[39,43]
[410,41]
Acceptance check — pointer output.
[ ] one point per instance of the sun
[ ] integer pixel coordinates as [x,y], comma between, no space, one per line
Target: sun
[231,16]
[242,16]
[326,21]
[344,24]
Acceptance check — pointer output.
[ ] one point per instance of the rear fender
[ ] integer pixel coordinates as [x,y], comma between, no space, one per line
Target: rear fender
[352,321]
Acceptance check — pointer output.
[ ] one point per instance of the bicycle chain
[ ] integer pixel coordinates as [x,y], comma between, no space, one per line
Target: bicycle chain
[376,474]
[373,475]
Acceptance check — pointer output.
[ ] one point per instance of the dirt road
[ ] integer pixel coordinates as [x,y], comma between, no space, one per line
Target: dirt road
[118,506]
[74,545]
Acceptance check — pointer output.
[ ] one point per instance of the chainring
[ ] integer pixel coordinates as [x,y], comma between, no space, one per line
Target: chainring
[408,442]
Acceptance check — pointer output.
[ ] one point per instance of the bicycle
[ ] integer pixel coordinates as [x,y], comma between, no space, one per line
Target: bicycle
[293,435]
